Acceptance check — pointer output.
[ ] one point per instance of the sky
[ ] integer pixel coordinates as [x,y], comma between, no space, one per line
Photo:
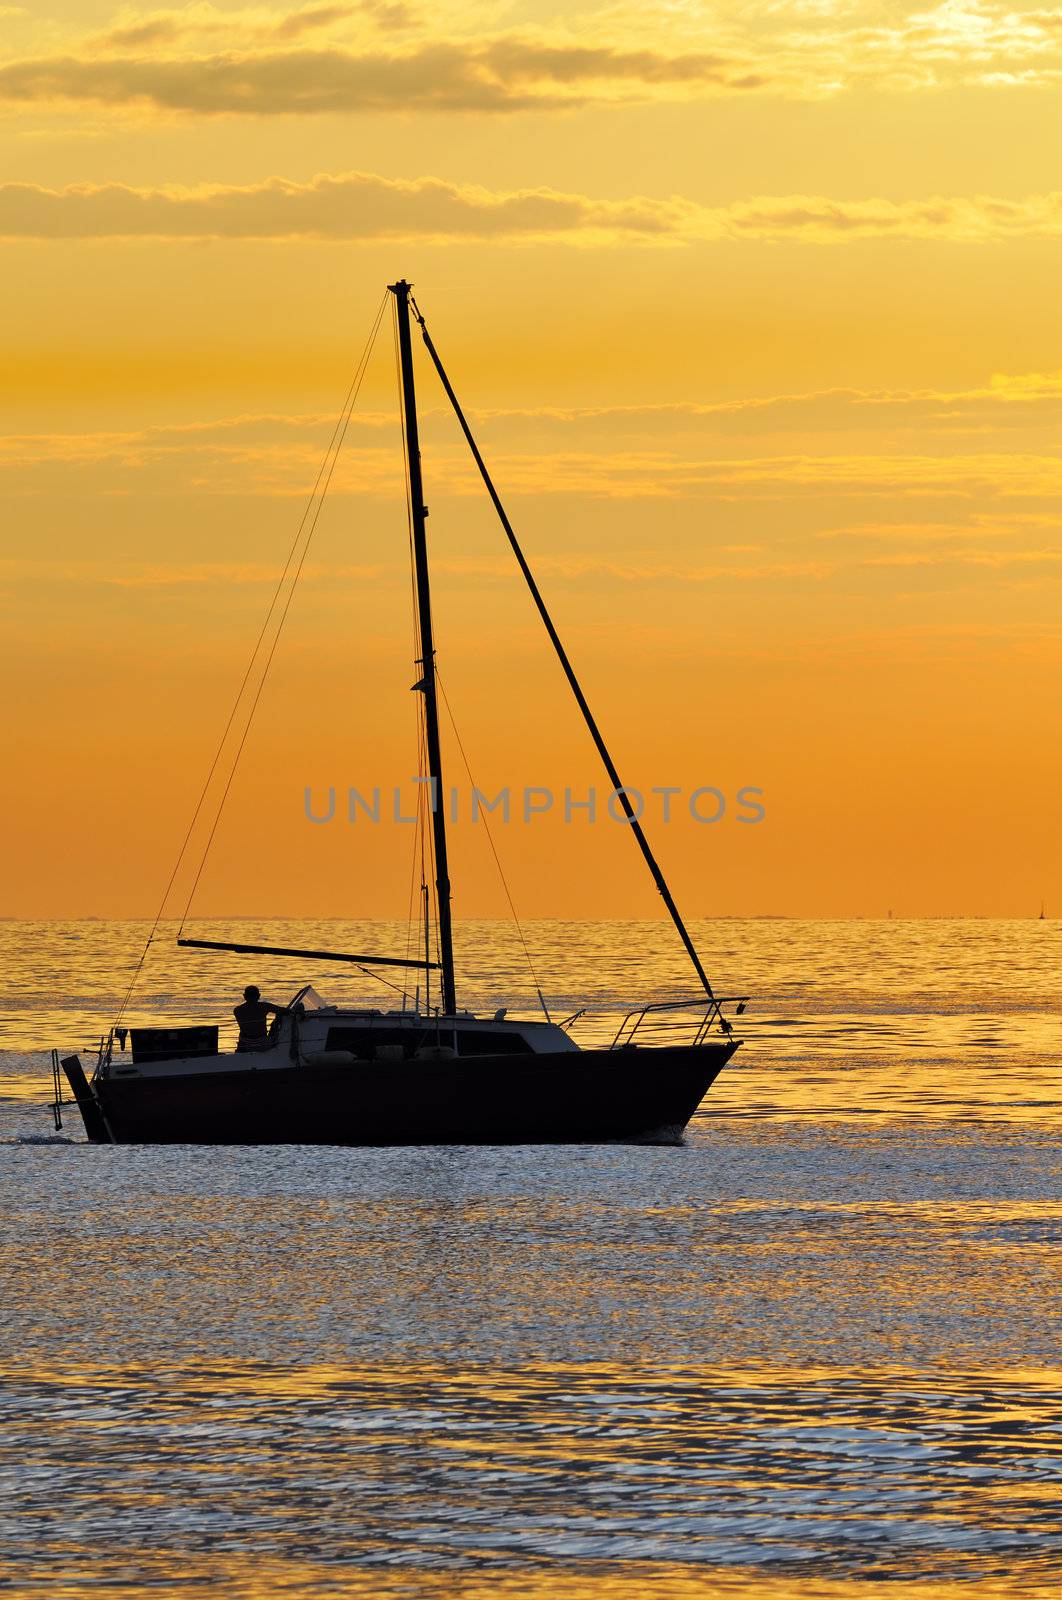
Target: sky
[754,310]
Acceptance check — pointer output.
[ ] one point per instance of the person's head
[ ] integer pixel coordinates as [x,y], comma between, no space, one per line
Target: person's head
[251,993]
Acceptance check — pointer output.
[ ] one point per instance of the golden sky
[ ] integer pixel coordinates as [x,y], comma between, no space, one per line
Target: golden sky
[755,311]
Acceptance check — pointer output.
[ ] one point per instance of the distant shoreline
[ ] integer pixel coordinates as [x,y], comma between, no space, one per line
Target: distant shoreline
[721,916]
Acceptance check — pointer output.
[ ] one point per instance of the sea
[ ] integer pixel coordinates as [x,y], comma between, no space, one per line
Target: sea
[814,1352]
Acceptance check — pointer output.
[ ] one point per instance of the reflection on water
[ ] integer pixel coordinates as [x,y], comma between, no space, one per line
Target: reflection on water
[813,1354]
[420,1467]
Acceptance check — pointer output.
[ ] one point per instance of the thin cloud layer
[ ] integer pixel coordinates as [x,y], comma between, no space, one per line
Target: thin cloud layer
[355,205]
[1006,401]
[362,205]
[830,444]
[635,570]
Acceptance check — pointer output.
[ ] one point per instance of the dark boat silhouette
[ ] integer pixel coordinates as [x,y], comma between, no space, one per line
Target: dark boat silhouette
[433,1075]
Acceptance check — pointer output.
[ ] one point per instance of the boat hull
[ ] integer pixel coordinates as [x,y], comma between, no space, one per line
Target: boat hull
[585,1096]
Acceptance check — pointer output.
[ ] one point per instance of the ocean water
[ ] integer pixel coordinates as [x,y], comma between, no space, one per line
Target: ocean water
[814,1353]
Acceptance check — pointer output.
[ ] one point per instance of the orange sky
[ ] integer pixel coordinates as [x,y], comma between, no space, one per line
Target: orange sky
[756,318]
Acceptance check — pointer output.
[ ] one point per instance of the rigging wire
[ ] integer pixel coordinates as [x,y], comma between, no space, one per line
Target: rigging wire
[418,856]
[430,831]
[432,798]
[494,853]
[338,432]
[426,835]
[409,910]
[283,616]
[417,847]
[336,977]
[562,656]
[375,976]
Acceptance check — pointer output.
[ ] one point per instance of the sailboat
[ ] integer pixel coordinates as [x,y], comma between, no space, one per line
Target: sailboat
[433,1073]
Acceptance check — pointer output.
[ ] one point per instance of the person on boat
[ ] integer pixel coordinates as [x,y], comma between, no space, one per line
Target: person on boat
[253,1017]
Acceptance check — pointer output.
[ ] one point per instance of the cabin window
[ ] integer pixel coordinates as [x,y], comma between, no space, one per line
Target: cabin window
[475,1043]
[364,1042]
[172,1044]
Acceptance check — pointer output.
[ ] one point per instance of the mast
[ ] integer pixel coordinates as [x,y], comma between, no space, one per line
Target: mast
[569,672]
[418,514]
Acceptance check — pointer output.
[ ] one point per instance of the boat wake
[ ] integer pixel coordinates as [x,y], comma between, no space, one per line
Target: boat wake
[44,1138]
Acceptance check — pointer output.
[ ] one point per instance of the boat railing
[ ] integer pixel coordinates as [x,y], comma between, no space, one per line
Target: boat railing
[57,1088]
[678,1022]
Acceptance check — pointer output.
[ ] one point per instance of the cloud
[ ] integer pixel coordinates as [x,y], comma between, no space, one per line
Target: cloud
[286,470]
[326,56]
[354,205]
[203,25]
[990,527]
[362,205]
[173,575]
[1005,402]
[855,468]
[505,74]
[249,432]
[815,475]
[163,29]
[962,219]
[311,19]
[677,438]
[588,573]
